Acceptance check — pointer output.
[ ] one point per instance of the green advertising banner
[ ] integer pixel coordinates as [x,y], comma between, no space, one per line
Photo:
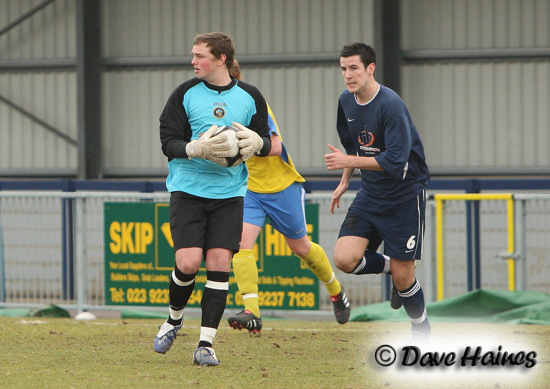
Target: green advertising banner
[139,259]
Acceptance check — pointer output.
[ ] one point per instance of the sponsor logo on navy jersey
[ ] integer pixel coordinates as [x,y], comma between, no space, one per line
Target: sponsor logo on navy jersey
[366,139]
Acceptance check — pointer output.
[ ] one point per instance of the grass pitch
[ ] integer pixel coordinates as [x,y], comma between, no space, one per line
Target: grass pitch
[117,353]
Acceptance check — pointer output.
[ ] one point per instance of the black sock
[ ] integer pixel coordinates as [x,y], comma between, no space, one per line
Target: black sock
[180,290]
[214,300]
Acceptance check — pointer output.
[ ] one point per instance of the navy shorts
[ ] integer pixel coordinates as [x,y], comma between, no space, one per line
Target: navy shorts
[207,223]
[399,226]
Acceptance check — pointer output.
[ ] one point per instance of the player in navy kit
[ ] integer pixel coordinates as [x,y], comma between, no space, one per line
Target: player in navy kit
[206,202]
[380,139]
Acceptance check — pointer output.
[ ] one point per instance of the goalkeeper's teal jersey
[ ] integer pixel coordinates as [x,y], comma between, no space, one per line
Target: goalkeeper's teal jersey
[192,108]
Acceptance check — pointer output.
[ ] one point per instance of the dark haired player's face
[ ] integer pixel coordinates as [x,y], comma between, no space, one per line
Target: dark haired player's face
[204,63]
[356,76]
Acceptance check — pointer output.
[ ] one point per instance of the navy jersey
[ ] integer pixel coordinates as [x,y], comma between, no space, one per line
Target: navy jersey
[383,129]
[192,108]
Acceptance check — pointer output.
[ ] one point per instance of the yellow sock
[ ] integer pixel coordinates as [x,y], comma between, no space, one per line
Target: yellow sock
[319,264]
[246,274]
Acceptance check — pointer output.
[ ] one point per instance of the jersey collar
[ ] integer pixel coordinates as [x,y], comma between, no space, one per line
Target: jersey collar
[220,89]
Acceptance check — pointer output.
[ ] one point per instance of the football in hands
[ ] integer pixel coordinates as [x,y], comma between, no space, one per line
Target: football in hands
[229,132]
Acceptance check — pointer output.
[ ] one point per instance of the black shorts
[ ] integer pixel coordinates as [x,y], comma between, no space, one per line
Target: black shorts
[207,223]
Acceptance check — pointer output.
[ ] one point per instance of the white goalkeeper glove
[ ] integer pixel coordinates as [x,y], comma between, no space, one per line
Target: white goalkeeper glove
[207,147]
[250,142]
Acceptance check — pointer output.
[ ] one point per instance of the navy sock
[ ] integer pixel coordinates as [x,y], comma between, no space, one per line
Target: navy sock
[423,327]
[371,263]
[413,302]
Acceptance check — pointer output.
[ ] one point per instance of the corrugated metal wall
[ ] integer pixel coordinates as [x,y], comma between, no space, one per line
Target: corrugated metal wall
[479,114]
[26,146]
[303,96]
[49,33]
[29,146]
[482,114]
[462,24]
[167,27]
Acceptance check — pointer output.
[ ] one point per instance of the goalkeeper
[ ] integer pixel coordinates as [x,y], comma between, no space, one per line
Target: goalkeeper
[206,199]
[275,191]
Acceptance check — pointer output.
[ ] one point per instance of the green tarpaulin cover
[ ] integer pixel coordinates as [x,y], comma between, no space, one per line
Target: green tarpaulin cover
[482,305]
[49,310]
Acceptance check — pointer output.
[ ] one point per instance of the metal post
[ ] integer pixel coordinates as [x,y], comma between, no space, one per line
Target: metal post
[473,240]
[521,236]
[428,255]
[387,43]
[439,262]
[2,274]
[88,69]
[511,244]
[81,287]
[474,245]
[67,264]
